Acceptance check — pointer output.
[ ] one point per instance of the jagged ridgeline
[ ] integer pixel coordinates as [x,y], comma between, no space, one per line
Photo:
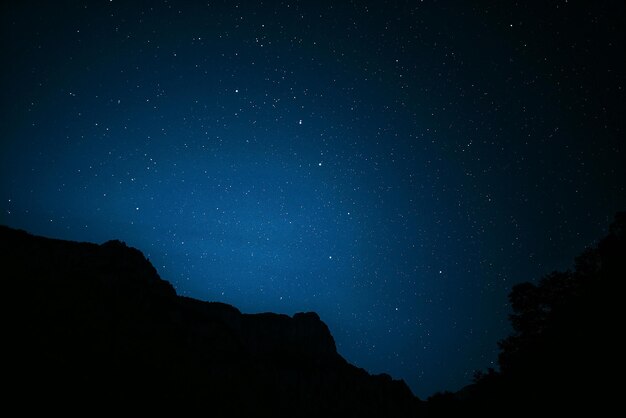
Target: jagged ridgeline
[95,326]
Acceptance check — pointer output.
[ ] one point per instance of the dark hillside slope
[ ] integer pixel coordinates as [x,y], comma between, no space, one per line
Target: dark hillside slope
[564,356]
[92,325]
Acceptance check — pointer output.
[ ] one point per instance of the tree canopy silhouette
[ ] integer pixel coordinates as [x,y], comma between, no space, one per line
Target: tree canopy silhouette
[563,344]
[560,323]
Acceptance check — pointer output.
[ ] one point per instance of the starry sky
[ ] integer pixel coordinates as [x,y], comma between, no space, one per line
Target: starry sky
[395,166]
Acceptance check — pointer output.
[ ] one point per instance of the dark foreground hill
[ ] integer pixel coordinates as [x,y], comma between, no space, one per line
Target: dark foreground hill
[94,326]
[565,355]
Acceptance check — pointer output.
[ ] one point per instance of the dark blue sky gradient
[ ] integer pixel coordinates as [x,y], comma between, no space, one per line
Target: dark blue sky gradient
[394,166]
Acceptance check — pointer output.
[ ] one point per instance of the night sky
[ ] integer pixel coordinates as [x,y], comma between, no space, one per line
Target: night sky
[394,166]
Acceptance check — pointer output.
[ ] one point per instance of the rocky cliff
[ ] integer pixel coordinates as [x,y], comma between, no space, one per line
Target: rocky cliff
[94,325]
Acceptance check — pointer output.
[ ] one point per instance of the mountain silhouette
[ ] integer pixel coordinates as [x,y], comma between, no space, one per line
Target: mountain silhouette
[91,327]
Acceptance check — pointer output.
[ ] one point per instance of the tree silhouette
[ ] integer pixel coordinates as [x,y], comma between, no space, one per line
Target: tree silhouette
[564,341]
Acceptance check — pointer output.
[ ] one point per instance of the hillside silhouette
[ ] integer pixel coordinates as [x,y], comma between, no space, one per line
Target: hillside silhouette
[562,356]
[94,326]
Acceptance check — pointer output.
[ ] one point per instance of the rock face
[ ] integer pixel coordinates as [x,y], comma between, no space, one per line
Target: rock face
[95,326]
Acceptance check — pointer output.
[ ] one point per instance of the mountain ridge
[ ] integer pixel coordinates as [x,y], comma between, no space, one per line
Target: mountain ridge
[102,317]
